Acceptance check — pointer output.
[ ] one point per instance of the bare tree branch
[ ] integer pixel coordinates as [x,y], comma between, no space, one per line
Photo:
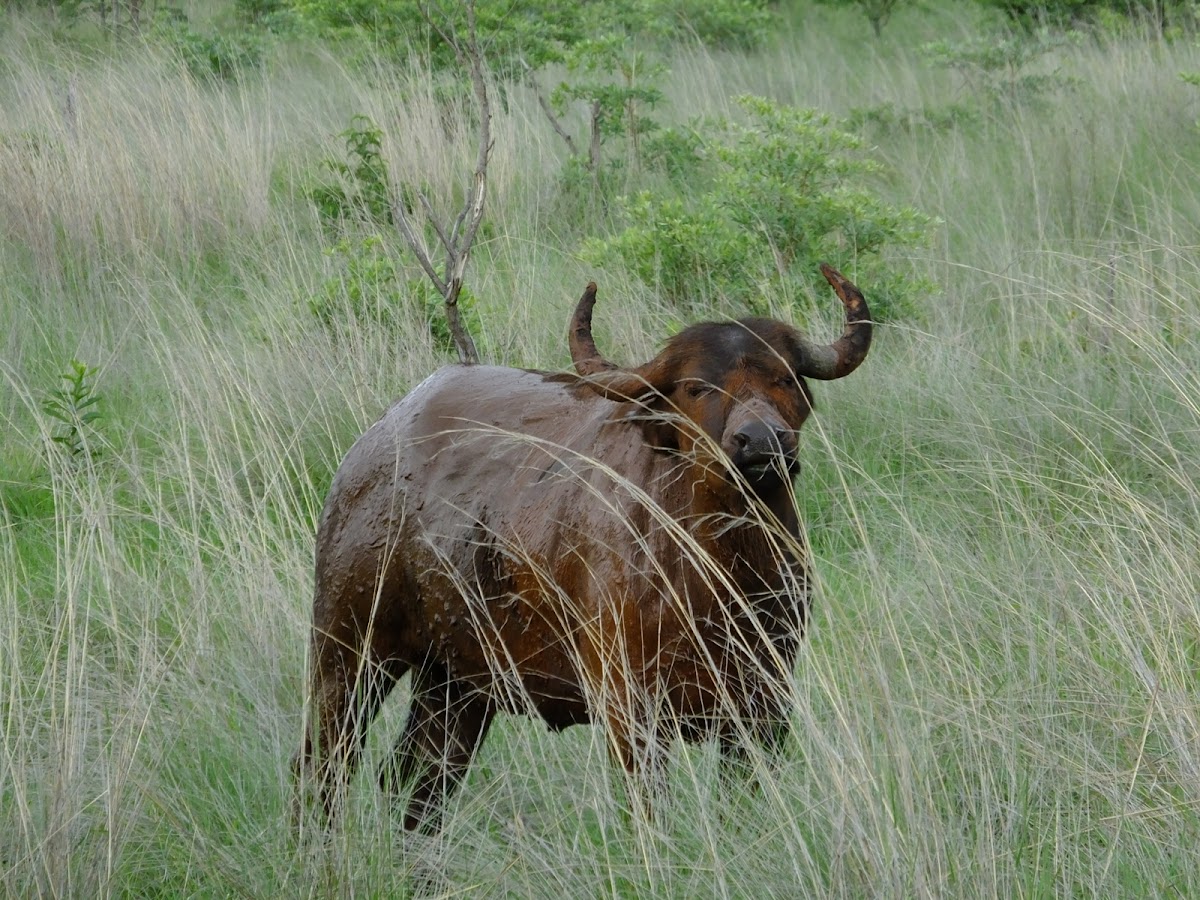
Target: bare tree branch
[417,245]
[434,223]
[457,241]
[479,83]
[473,211]
[594,149]
[555,122]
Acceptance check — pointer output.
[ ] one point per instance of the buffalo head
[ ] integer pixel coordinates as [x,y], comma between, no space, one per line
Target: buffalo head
[730,395]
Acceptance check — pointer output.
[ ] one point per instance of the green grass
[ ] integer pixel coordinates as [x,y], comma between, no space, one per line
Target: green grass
[999,694]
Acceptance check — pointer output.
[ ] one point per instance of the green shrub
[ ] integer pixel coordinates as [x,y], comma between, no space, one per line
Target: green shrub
[687,251]
[371,289]
[878,12]
[781,193]
[675,152]
[364,289]
[611,51]
[793,179]
[258,11]
[75,408]
[622,81]
[888,118]
[720,24]
[1162,15]
[1003,69]
[213,55]
[1033,13]
[517,32]
[361,190]
[523,34]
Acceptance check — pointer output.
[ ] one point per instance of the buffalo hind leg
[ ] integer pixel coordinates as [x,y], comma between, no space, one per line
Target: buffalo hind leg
[447,722]
[348,689]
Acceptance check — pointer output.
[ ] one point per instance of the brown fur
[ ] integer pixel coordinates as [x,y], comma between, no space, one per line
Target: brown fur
[619,547]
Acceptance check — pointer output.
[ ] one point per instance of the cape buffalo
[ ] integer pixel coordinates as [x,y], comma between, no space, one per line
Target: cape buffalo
[618,545]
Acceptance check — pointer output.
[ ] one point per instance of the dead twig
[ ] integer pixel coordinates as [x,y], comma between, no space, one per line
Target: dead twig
[458,240]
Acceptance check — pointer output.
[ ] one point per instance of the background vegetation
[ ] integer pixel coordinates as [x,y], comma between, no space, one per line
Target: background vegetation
[205,301]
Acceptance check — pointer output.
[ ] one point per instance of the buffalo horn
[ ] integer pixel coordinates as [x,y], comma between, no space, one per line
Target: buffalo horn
[604,377]
[829,361]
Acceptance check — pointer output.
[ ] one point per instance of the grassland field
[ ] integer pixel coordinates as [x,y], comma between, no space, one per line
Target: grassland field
[1000,694]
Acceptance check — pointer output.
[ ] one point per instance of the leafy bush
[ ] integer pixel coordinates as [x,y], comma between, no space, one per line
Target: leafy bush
[523,34]
[675,152]
[888,118]
[222,56]
[258,11]
[794,179]
[75,407]
[610,49]
[724,24]
[108,14]
[686,251]
[364,289]
[1033,13]
[276,17]
[878,12]
[781,193]
[1002,69]
[618,83]
[361,191]
[1162,15]
[370,289]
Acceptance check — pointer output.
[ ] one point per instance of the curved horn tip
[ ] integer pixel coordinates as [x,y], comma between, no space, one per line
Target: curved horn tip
[832,275]
[583,307]
[584,355]
[846,290]
[845,354]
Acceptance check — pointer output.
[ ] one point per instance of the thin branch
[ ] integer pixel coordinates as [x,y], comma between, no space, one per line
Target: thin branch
[454,229]
[450,37]
[404,223]
[555,121]
[428,207]
[458,241]
[484,151]
[594,150]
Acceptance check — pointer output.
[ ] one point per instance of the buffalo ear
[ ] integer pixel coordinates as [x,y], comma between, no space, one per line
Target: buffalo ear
[655,417]
[797,355]
[659,430]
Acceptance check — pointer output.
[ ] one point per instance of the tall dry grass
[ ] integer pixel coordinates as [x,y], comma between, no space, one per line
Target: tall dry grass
[998,696]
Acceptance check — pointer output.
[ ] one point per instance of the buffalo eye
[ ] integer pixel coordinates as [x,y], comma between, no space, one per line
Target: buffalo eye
[787,382]
[698,389]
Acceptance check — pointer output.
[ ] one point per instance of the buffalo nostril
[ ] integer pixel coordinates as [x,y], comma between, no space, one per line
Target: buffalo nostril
[755,442]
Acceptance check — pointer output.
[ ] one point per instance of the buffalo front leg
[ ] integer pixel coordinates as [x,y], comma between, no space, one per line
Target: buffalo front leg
[638,742]
[635,735]
[446,724]
[642,755]
[764,728]
[348,688]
